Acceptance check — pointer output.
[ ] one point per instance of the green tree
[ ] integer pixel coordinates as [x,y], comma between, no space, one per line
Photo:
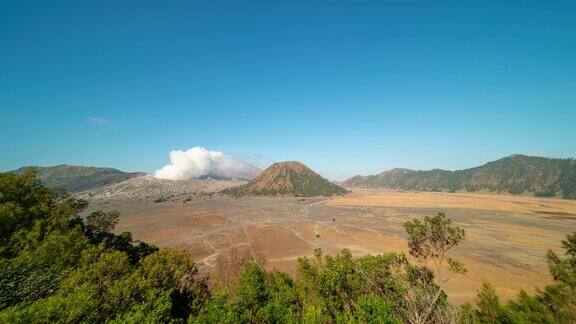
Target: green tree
[488,304]
[56,267]
[100,221]
[430,240]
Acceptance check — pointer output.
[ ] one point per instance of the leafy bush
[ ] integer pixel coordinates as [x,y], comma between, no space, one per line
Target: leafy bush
[548,193]
[56,267]
[554,304]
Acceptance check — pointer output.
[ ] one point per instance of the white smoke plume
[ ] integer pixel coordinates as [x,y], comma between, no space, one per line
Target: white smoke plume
[198,161]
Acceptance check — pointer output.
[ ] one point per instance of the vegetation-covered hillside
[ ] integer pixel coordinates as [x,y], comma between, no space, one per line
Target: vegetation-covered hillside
[58,268]
[514,174]
[288,179]
[79,178]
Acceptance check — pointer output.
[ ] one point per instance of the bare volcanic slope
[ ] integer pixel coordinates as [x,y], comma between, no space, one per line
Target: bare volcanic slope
[75,178]
[147,187]
[290,178]
[515,174]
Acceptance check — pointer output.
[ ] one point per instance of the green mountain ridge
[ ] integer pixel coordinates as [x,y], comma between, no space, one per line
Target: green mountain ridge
[515,174]
[75,178]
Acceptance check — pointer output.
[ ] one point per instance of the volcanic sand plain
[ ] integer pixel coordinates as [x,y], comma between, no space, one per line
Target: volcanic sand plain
[506,236]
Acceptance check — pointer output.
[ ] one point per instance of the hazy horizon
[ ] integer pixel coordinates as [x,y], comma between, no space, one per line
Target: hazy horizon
[262,167]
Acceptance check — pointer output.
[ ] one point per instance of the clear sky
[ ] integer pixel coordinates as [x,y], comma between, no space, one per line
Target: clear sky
[347,87]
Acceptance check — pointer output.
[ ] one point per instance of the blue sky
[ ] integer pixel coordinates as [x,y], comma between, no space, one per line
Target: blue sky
[347,87]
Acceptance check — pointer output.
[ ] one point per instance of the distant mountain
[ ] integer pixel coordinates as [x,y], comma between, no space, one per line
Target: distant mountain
[373,181]
[288,179]
[515,174]
[79,178]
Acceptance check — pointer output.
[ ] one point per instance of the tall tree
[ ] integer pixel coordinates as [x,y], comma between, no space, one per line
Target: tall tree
[430,240]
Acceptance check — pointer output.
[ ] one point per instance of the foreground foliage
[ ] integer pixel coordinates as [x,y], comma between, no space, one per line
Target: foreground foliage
[57,267]
[554,304]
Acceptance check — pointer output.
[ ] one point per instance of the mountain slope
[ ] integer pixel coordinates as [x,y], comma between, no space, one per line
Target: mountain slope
[387,177]
[514,174]
[79,178]
[149,188]
[288,179]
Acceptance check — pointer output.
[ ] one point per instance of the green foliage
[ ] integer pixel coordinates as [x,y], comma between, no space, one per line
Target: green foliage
[556,303]
[56,267]
[24,204]
[265,296]
[219,309]
[36,273]
[107,286]
[516,189]
[488,304]
[545,193]
[432,237]
[372,309]
[97,229]
[155,311]
[327,289]
[101,222]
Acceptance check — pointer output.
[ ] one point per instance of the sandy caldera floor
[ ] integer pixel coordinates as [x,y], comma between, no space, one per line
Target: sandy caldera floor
[506,236]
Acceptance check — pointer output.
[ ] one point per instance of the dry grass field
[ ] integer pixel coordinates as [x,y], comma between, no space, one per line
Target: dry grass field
[506,236]
[476,201]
